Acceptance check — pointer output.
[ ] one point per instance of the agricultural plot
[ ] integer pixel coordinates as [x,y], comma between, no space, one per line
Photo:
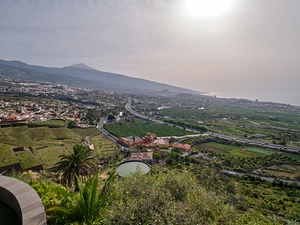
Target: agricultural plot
[63,133]
[247,158]
[251,152]
[104,148]
[7,156]
[50,155]
[7,137]
[283,170]
[49,123]
[85,131]
[27,159]
[140,128]
[40,133]
[47,144]
[220,148]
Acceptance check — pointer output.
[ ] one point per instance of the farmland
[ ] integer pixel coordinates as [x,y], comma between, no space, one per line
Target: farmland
[47,144]
[240,118]
[246,158]
[138,127]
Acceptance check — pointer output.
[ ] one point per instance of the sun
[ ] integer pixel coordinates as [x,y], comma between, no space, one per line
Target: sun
[207,8]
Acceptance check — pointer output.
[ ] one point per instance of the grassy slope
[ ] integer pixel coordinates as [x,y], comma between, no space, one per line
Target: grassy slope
[7,156]
[48,144]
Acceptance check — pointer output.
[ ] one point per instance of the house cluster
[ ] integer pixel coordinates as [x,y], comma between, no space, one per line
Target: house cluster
[13,111]
[142,156]
[150,140]
[39,88]
[153,142]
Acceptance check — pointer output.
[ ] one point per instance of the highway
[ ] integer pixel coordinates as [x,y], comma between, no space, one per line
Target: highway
[129,109]
[109,135]
[226,137]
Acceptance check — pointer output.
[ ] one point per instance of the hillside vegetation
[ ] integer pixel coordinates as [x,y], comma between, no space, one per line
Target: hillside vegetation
[47,143]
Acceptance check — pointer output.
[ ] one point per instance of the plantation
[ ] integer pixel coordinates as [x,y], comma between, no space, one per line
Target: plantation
[241,120]
[244,157]
[138,127]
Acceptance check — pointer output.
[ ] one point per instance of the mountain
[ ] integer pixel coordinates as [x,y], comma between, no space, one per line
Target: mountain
[72,75]
[82,66]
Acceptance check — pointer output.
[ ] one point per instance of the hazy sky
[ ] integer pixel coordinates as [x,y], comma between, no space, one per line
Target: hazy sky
[253,44]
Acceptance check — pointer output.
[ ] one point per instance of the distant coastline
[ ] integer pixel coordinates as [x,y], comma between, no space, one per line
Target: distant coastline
[285,97]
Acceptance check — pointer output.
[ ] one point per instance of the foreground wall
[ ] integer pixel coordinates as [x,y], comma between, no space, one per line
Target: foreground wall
[23,199]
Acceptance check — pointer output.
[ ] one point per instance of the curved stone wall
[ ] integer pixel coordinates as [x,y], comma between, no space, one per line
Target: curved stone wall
[23,199]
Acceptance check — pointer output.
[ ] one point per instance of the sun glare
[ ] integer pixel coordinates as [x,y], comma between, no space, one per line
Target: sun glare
[207,8]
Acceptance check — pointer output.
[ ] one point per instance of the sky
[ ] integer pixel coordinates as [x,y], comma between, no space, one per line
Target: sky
[251,45]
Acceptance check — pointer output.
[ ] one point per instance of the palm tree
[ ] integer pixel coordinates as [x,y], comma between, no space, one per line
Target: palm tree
[79,163]
[86,206]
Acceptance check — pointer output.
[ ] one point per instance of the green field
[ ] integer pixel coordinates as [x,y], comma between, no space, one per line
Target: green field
[238,119]
[247,158]
[48,144]
[85,131]
[103,147]
[27,159]
[40,134]
[251,152]
[48,123]
[138,127]
[7,156]
[217,147]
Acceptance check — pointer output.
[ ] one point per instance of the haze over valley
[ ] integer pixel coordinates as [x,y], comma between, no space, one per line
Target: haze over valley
[237,48]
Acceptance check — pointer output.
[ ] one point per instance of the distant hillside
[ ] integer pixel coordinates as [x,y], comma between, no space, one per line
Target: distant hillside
[81,66]
[83,75]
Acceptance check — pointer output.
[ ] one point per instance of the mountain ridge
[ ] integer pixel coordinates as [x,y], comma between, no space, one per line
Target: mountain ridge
[92,78]
[81,66]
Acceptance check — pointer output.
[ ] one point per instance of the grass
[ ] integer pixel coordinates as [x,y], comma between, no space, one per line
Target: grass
[48,144]
[6,136]
[217,147]
[283,170]
[40,133]
[139,127]
[27,159]
[251,152]
[49,123]
[286,167]
[86,131]
[7,156]
[277,173]
[63,133]
[103,147]
[245,153]
[50,155]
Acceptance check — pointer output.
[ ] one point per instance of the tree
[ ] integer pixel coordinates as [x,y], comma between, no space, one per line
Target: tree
[86,206]
[111,117]
[71,124]
[79,163]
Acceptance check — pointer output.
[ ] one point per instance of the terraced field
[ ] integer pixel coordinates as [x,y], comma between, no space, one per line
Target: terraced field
[48,144]
[7,156]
